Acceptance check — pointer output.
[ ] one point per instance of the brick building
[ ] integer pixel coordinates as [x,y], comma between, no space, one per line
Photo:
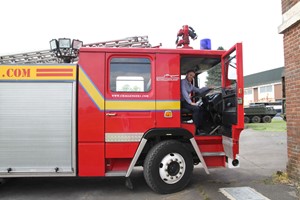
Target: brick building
[290,28]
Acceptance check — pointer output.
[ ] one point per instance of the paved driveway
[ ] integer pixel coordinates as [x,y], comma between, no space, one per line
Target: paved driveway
[261,155]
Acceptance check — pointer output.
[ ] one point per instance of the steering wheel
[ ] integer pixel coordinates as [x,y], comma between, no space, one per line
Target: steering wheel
[203,94]
[200,97]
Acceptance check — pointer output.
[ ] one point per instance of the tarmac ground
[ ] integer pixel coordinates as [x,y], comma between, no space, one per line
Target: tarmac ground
[262,154]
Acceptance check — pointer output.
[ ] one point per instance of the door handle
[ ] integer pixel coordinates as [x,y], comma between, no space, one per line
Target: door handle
[111,114]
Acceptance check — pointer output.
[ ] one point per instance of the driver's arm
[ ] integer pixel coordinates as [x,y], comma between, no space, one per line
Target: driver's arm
[201,91]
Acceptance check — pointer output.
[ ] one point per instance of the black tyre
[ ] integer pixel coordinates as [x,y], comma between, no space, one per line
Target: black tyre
[168,167]
[2,181]
[267,119]
[256,119]
[246,119]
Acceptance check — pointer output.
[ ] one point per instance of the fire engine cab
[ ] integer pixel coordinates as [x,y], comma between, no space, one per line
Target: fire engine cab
[119,108]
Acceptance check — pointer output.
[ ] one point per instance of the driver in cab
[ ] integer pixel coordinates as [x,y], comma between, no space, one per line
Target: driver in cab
[186,89]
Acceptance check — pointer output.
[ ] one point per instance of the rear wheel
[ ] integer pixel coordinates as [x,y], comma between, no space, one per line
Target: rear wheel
[256,119]
[2,181]
[168,167]
[246,119]
[267,119]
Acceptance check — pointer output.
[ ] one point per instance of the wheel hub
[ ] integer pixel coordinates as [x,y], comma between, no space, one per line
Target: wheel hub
[172,168]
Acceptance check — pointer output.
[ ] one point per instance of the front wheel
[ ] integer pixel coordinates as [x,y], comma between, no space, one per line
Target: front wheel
[168,167]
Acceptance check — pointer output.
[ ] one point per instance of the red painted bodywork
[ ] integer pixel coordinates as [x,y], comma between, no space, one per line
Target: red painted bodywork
[91,159]
[167,64]
[95,156]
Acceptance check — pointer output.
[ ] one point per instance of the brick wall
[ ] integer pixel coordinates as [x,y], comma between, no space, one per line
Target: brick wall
[287,4]
[292,85]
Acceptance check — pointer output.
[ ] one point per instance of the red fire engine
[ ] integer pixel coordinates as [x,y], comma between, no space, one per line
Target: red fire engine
[119,108]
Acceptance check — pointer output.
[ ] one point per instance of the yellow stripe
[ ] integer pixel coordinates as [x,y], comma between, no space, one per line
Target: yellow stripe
[91,89]
[142,105]
[123,105]
[130,105]
[168,105]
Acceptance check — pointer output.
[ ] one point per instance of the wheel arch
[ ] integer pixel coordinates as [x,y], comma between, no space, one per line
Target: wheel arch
[156,135]
[168,133]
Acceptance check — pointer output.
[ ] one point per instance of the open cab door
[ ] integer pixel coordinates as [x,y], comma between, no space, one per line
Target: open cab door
[232,94]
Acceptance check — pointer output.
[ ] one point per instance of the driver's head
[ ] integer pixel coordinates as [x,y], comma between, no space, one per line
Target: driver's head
[190,75]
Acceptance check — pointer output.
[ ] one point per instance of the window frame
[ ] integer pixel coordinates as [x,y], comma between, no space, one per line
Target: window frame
[149,74]
[248,91]
[265,87]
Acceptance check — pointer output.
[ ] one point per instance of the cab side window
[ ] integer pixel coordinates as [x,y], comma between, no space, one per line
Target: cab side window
[130,75]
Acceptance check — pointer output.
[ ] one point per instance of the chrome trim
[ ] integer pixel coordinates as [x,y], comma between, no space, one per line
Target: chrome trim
[227,145]
[73,132]
[123,137]
[136,156]
[194,143]
[213,154]
[36,174]
[116,173]
[111,114]
[214,130]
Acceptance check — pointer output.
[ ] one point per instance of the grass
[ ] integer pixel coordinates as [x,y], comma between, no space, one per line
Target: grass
[276,125]
[283,178]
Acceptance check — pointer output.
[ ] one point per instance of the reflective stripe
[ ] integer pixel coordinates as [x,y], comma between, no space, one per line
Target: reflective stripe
[91,89]
[168,105]
[123,105]
[123,137]
[141,105]
[130,105]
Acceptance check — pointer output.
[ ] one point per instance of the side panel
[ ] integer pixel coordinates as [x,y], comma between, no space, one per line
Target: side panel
[90,114]
[120,150]
[168,90]
[37,120]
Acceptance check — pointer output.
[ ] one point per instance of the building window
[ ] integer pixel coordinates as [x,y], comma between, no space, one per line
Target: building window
[248,92]
[130,75]
[266,89]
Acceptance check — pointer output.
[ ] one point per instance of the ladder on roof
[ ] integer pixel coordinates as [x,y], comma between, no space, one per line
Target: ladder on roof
[49,57]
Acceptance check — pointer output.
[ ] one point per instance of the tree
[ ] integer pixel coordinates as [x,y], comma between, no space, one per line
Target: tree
[214,74]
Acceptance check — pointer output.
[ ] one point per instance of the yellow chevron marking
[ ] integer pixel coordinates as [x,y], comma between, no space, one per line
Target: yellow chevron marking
[123,105]
[91,89]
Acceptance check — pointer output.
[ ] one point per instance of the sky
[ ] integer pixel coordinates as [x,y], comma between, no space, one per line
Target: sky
[29,25]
